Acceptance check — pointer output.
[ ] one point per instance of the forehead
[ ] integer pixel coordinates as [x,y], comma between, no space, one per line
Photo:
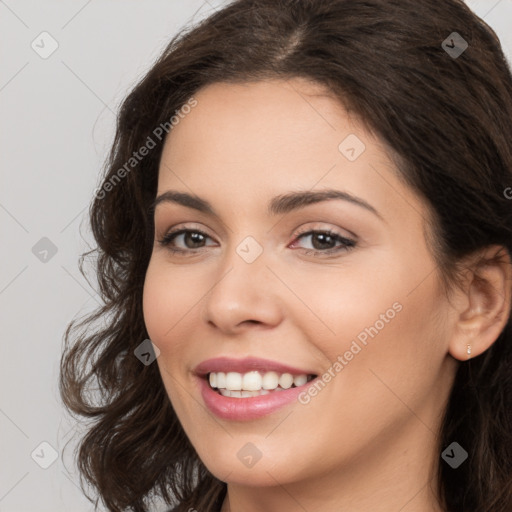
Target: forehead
[263,126]
[245,142]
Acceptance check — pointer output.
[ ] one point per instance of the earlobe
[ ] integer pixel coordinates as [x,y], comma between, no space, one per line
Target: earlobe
[485,308]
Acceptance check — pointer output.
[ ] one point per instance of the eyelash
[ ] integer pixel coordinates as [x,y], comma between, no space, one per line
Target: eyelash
[347,243]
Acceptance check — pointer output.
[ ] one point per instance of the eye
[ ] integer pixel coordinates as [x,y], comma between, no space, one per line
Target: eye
[192,238]
[324,242]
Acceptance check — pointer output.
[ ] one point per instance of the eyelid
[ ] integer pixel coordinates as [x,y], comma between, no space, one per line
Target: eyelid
[182,226]
[295,233]
[174,232]
[166,215]
[320,226]
[345,244]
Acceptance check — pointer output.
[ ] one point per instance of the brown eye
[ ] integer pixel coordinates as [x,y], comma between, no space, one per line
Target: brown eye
[324,242]
[191,238]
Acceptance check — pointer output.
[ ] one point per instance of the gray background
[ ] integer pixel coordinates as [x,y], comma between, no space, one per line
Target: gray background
[57,123]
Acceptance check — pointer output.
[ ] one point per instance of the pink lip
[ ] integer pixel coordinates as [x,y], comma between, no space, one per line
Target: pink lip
[247,364]
[246,409]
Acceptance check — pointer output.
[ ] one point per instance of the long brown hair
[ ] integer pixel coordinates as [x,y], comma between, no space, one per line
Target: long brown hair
[448,120]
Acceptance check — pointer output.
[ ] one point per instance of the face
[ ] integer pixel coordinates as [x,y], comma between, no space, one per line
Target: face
[338,290]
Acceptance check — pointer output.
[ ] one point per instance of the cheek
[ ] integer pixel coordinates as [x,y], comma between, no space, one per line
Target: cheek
[383,316]
[342,304]
[399,352]
[168,301]
[156,296]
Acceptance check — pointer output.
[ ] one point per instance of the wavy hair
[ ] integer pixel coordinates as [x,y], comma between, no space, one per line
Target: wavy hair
[448,122]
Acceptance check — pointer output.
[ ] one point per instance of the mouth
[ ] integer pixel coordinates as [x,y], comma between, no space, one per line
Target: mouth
[255,383]
[250,388]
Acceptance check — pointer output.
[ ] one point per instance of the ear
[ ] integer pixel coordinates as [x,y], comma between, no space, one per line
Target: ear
[483,304]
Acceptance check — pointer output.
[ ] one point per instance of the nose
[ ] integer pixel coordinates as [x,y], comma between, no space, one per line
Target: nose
[241,295]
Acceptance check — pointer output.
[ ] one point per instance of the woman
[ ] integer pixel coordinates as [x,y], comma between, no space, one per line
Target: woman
[306,211]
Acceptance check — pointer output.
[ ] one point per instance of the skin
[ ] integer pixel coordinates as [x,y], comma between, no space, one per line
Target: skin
[368,440]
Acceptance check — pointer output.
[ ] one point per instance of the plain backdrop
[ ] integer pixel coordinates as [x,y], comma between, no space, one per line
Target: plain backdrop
[57,123]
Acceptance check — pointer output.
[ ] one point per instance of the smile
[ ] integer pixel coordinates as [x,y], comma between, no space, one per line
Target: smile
[250,388]
[254,383]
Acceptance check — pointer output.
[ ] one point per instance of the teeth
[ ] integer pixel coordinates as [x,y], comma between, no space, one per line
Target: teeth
[254,383]
[221,380]
[233,381]
[298,380]
[242,394]
[251,381]
[270,380]
[286,380]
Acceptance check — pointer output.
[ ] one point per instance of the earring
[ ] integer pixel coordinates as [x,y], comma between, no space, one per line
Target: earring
[468,351]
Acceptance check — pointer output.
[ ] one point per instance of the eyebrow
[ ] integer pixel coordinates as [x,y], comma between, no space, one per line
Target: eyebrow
[277,206]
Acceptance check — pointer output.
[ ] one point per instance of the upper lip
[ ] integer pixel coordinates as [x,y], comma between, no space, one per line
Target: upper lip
[247,364]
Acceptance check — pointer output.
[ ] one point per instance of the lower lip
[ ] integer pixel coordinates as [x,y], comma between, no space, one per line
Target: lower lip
[250,408]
